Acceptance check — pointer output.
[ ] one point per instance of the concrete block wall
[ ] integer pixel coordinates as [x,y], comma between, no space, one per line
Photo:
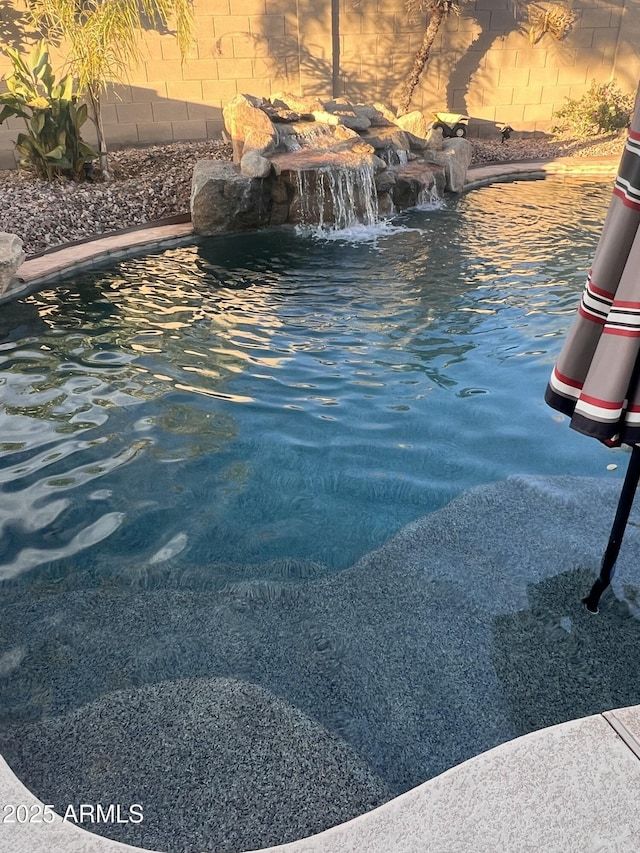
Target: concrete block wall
[482,63]
[240,46]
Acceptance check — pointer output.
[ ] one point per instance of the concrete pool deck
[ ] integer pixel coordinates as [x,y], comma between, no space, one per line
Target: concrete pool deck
[570,787]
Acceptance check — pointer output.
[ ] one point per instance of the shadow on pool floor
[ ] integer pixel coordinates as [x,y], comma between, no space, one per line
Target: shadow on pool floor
[258,713]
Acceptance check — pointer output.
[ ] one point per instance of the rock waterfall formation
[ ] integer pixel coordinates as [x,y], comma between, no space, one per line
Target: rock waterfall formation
[330,164]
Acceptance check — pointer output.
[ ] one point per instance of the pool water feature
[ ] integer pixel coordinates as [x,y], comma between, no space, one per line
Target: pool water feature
[202,449]
[343,197]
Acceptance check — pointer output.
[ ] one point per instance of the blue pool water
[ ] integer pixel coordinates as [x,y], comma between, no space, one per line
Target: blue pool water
[287,527]
[233,401]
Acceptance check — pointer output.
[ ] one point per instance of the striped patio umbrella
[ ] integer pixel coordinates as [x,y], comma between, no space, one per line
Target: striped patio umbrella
[596,379]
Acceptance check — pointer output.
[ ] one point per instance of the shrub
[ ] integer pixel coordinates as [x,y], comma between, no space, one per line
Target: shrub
[53,144]
[604,109]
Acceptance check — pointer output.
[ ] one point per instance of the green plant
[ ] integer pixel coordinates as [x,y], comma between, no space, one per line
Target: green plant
[102,41]
[53,144]
[604,109]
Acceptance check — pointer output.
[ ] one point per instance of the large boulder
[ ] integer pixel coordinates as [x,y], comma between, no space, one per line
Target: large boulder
[354,120]
[11,258]
[385,186]
[383,138]
[456,158]
[223,200]
[342,133]
[414,123]
[347,117]
[354,117]
[435,139]
[296,102]
[349,154]
[254,165]
[414,184]
[249,127]
[325,117]
[385,112]
[377,118]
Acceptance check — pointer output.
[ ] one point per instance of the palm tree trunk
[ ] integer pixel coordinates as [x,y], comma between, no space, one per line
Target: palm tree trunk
[96,107]
[436,17]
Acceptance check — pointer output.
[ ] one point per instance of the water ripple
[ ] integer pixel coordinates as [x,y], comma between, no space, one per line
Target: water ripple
[233,401]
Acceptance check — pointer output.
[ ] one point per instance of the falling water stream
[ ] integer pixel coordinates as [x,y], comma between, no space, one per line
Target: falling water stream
[342,197]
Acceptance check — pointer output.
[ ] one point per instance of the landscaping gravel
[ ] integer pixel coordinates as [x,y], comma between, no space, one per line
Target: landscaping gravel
[155,183]
[543,148]
[148,184]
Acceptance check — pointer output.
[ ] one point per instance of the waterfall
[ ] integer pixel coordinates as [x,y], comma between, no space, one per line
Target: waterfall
[395,156]
[429,197]
[337,197]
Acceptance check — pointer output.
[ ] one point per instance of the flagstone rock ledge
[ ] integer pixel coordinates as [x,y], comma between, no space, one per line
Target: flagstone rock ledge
[94,253]
[571,787]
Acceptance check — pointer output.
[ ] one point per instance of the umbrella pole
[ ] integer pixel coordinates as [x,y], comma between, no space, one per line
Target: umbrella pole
[617,531]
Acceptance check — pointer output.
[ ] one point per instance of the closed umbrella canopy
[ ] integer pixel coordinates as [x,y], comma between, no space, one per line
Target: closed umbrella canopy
[596,379]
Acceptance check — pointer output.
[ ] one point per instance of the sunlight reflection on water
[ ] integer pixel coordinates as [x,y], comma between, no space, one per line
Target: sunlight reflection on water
[385,367]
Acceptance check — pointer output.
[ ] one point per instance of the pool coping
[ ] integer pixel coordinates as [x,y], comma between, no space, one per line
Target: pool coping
[569,787]
[565,167]
[55,265]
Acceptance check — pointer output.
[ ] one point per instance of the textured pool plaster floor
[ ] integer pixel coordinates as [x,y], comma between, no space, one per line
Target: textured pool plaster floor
[410,631]
[356,687]
[568,789]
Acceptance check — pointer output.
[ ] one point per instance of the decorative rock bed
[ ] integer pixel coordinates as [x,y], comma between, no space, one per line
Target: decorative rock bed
[300,160]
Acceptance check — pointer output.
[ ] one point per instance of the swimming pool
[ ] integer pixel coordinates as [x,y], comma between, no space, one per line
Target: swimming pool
[198,446]
[233,401]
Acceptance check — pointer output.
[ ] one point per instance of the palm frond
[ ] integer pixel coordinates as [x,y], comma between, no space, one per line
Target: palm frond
[554,18]
[103,40]
[415,8]
[103,34]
